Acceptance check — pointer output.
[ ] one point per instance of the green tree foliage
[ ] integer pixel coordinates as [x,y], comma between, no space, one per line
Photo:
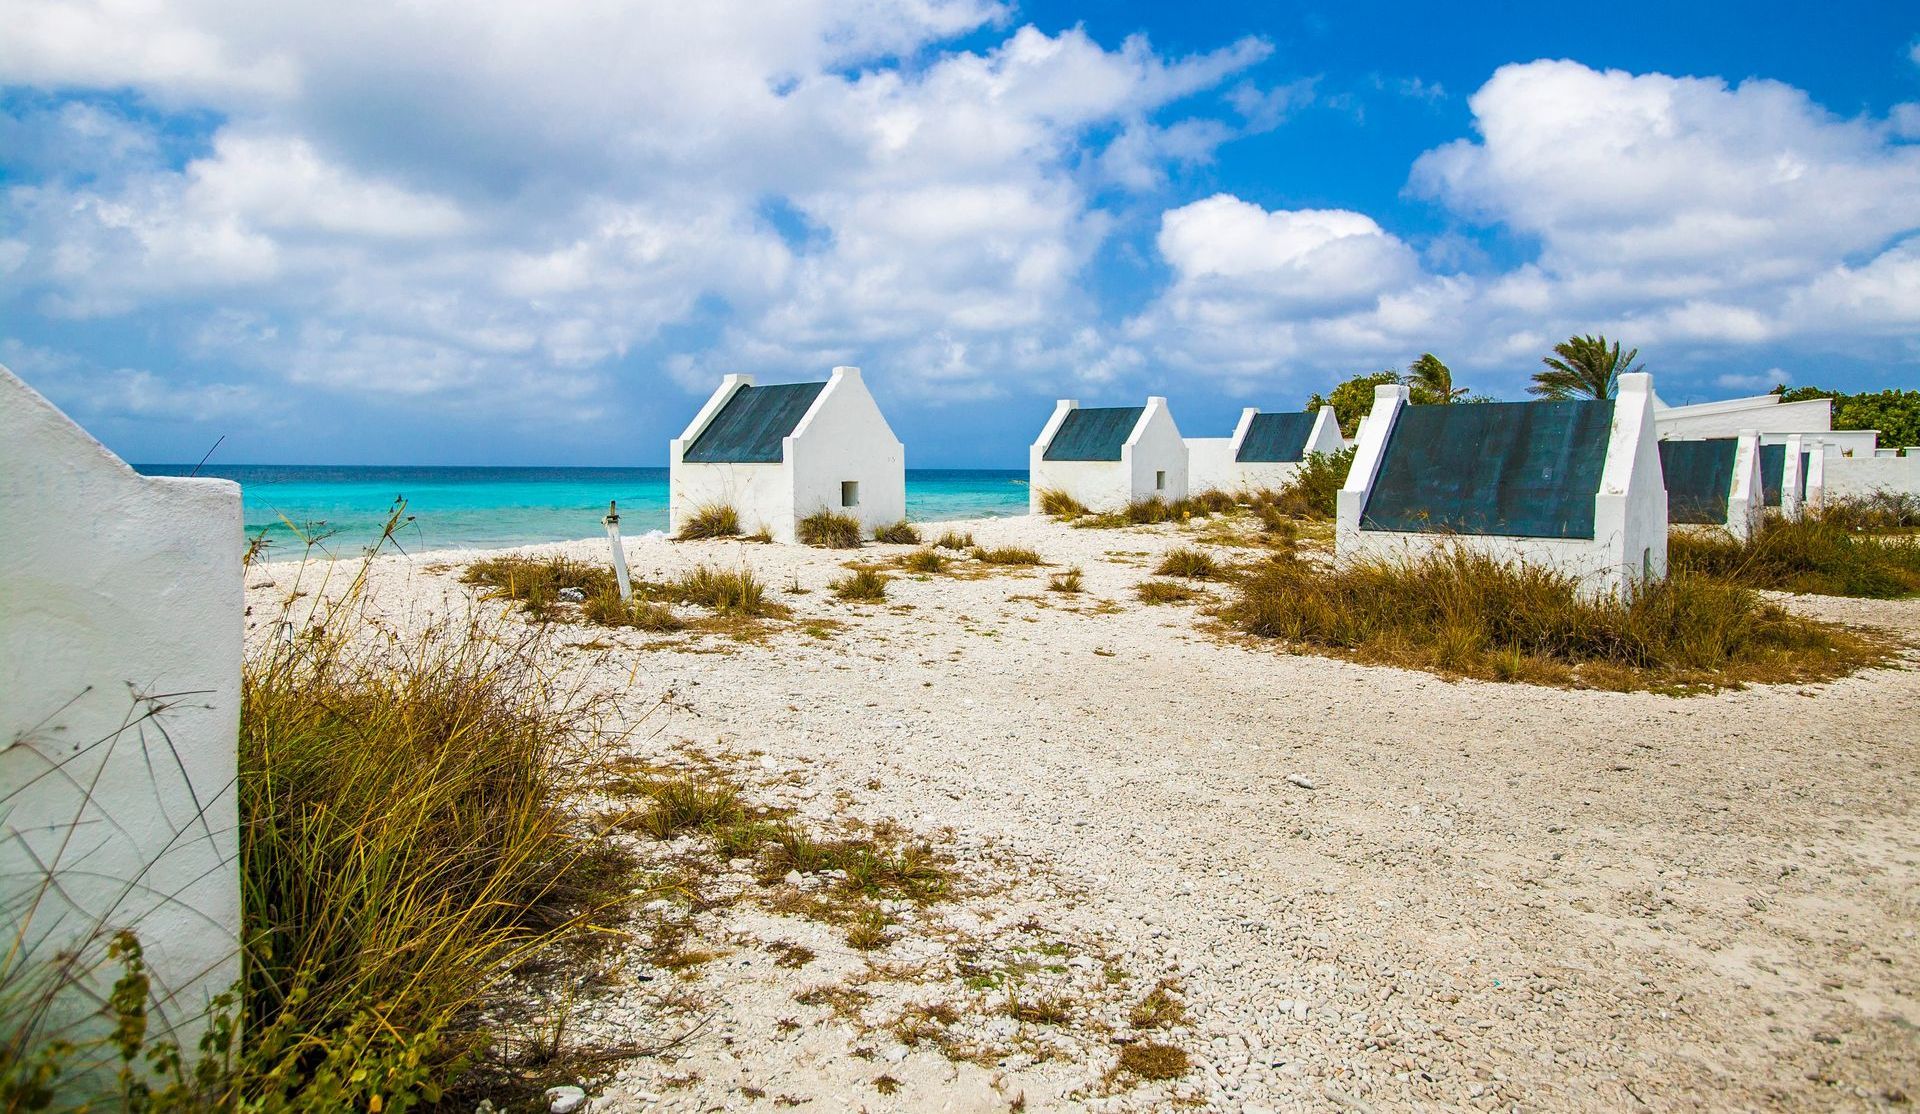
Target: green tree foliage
[1583,367]
[1896,414]
[1353,399]
[1432,382]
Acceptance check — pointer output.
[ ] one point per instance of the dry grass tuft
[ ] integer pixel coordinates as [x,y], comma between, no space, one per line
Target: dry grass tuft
[1460,614]
[1165,591]
[861,585]
[1151,1061]
[899,533]
[732,592]
[716,520]
[928,560]
[1007,555]
[1058,504]
[829,530]
[955,540]
[536,582]
[1068,581]
[1160,1009]
[1193,564]
[609,610]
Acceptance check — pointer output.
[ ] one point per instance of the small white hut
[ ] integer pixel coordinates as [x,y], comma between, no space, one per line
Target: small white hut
[1715,481]
[1265,451]
[1574,486]
[779,453]
[1108,456]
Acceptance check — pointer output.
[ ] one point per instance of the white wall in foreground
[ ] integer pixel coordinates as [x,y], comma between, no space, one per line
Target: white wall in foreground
[1853,477]
[120,626]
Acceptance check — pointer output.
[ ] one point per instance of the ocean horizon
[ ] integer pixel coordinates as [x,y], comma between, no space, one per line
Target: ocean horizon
[480,507]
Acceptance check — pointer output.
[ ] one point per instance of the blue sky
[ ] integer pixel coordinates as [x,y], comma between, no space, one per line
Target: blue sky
[462,234]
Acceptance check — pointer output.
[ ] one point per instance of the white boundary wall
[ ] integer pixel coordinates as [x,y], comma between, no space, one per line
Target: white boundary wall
[843,437]
[1153,452]
[121,612]
[1630,507]
[1856,477]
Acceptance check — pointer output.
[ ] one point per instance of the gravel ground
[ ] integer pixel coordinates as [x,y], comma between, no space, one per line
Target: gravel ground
[1369,888]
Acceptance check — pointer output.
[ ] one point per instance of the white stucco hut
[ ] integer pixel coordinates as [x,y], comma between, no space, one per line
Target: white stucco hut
[781,452]
[1108,456]
[1265,451]
[1573,486]
[1715,481]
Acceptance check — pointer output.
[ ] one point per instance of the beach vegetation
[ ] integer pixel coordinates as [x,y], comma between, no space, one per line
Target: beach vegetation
[1162,1008]
[1068,582]
[1152,1061]
[863,585]
[733,592]
[1314,491]
[1823,554]
[827,529]
[715,520]
[957,540]
[929,560]
[1194,564]
[1165,591]
[1056,503]
[607,609]
[1006,555]
[1461,614]
[535,583]
[1353,399]
[1583,367]
[897,533]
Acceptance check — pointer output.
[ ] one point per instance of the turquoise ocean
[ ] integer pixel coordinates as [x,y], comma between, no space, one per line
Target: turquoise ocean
[489,508]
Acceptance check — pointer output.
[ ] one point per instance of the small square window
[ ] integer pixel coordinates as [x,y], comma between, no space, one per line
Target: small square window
[849,493]
[1159,481]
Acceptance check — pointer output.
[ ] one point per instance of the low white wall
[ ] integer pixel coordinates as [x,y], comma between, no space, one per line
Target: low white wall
[1101,486]
[1853,477]
[1728,417]
[120,650]
[762,494]
[1210,465]
[845,437]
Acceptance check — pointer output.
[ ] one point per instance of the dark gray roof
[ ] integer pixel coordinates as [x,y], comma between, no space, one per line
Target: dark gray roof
[750,427]
[1699,477]
[1093,433]
[1514,469]
[1276,438]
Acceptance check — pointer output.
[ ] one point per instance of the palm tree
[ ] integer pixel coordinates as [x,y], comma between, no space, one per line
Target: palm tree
[1586,368]
[1432,381]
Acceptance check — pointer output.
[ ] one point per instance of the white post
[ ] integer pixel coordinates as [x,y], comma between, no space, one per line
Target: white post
[619,551]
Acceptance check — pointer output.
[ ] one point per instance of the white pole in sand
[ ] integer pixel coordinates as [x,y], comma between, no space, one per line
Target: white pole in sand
[619,551]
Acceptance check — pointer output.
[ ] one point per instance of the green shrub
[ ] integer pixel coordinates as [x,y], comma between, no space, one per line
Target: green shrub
[1315,490]
[899,533]
[829,530]
[1462,614]
[1191,563]
[1817,554]
[716,520]
[864,585]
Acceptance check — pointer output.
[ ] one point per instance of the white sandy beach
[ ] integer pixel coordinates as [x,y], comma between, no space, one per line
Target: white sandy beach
[1491,896]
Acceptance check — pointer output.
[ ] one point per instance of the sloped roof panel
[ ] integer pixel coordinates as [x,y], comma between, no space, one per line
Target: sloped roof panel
[1093,433]
[1511,469]
[1699,477]
[1276,438]
[752,424]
